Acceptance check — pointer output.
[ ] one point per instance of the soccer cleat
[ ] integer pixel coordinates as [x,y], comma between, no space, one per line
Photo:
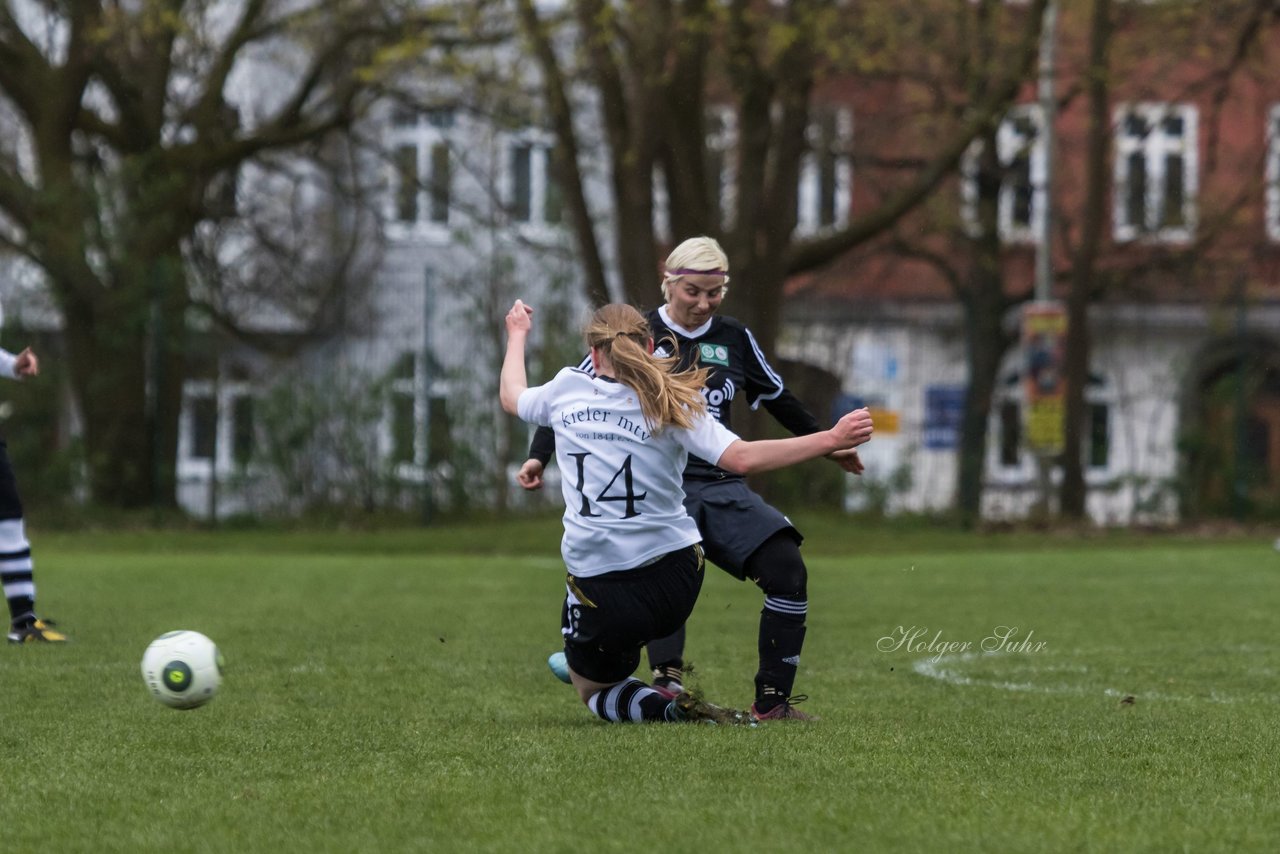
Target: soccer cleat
[784,711]
[35,631]
[667,688]
[688,708]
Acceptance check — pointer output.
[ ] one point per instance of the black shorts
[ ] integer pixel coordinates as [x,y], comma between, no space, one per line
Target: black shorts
[10,503]
[733,521]
[606,619]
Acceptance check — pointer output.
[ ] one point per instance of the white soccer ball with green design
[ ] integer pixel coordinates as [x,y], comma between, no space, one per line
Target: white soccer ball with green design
[182,669]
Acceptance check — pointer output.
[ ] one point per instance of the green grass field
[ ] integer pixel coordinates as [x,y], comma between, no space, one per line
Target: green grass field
[388,692]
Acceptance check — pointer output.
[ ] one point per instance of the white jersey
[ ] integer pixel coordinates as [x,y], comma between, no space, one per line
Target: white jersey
[624,504]
[8,364]
[7,359]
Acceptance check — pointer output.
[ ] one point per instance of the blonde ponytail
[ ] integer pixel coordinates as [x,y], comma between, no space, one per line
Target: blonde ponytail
[666,396]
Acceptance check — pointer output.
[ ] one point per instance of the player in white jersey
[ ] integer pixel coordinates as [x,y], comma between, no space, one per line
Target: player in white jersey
[623,437]
[16,574]
[741,533]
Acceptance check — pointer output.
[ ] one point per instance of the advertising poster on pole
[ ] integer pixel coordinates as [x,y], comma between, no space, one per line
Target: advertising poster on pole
[1044,339]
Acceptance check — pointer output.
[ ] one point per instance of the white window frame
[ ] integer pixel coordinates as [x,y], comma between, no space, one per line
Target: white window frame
[541,144]
[410,386]
[1024,471]
[413,471]
[228,394]
[1273,174]
[809,191]
[423,132]
[1010,142]
[1155,149]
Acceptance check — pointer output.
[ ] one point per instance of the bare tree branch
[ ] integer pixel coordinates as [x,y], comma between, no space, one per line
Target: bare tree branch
[808,255]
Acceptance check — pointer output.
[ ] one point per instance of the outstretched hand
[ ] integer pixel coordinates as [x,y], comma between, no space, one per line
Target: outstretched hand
[520,318]
[848,460]
[854,428]
[25,364]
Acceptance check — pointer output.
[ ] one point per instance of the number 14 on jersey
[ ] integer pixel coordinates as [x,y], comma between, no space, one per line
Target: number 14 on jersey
[612,492]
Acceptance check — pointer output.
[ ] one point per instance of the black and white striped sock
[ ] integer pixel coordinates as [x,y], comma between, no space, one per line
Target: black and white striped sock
[15,568]
[629,700]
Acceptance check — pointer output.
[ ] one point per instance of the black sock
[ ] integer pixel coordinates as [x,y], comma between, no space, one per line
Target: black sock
[22,612]
[667,652]
[782,633]
[666,675]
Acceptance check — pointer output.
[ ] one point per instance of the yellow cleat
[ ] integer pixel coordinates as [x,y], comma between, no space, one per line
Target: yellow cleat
[37,631]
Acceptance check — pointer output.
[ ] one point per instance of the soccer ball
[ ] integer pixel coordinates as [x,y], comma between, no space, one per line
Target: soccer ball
[182,669]
[560,667]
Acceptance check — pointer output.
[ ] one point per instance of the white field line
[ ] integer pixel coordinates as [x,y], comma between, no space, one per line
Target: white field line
[949,669]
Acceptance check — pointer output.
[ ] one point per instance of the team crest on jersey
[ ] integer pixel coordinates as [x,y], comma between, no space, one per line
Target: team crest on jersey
[714,354]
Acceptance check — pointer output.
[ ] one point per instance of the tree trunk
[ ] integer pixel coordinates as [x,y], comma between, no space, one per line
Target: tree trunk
[1073,492]
[985,345]
[757,301]
[126,367]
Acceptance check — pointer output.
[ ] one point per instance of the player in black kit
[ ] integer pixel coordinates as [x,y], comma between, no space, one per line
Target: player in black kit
[741,533]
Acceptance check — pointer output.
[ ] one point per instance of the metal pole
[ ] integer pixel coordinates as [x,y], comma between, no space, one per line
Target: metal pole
[428,281]
[1044,246]
[212,507]
[1048,113]
[155,396]
[1239,477]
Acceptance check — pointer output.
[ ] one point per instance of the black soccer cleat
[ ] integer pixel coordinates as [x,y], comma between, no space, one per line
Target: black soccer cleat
[35,630]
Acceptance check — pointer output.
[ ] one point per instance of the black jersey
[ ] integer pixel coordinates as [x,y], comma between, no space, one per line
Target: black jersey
[737,366]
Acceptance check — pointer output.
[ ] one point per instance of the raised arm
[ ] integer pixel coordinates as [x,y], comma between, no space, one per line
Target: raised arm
[514,379]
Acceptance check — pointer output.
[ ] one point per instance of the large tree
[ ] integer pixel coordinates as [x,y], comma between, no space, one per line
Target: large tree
[1073,493]
[1235,41]
[653,69]
[125,127]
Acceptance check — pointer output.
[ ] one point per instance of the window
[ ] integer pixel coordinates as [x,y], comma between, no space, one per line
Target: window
[422,172]
[522,182]
[204,426]
[216,427]
[402,412]
[824,189]
[402,402]
[826,174]
[1023,173]
[416,427]
[1273,173]
[1156,172]
[241,430]
[534,196]
[1010,437]
[1010,459]
[1099,436]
